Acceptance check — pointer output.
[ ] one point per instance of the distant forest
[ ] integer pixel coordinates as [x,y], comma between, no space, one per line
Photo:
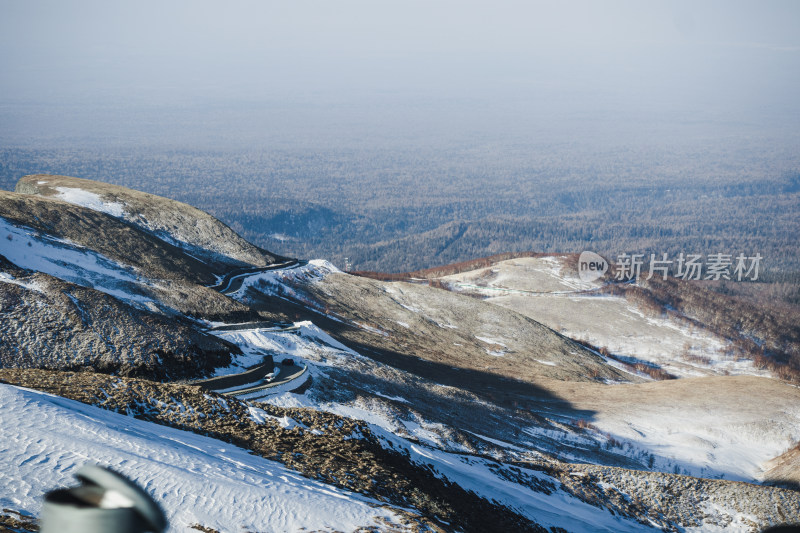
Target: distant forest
[415,205]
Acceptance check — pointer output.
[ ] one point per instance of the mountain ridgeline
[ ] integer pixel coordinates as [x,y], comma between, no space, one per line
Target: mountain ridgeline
[498,394]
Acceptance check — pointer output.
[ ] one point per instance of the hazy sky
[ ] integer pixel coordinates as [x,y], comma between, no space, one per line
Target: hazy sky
[678,56]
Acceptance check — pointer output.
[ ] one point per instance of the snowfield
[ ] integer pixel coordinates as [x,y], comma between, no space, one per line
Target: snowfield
[548,292]
[556,509]
[709,427]
[299,344]
[89,200]
[279,281]
[197,480]
[63,259]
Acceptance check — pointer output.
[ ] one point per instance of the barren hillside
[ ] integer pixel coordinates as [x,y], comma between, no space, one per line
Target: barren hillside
[176,222]
[53,324]
[468,409]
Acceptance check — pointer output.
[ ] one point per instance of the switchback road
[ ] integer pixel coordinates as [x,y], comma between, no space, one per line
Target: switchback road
[232,281]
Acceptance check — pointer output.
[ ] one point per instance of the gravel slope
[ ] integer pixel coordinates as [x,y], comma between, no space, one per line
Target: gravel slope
[49,323]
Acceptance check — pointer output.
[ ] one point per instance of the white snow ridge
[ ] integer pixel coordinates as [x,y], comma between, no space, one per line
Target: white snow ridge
[196,479]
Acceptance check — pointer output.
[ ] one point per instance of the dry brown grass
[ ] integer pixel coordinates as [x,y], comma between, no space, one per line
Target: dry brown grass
[784,470]
[196,227]
[359,464]
[12,521]
[447,270]
[768,334]
[67,327]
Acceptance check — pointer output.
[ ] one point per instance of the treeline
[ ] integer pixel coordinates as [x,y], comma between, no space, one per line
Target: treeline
[746,313]
[767,333]
[446,270]
[414,206]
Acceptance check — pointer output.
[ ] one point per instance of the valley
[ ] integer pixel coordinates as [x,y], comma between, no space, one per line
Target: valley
[510,397]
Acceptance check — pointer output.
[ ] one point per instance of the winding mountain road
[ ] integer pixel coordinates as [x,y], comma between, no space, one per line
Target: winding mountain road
[287,374]
[232,281]
[254,379]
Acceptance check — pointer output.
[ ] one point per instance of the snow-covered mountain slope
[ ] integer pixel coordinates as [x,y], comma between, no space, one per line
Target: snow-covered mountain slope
[177,223]
[61,258]
[469,415]
[54,324]
[197,480]
[660,426]
[548,290]
[712,427]
[324,447]
[104,234]
[95,250]
[715,427]
[445,329]
[331,448]
[458,419]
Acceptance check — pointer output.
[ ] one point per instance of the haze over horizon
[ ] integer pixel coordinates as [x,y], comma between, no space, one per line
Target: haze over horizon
[405,135]
[249,70]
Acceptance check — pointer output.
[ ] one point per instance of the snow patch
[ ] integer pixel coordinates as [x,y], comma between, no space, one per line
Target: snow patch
[90,200]
[371,329]
[288,423]
[489,340]
[410,308]
[395,398]
[196,479]
[280,281]
[69,261]
[30,285]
